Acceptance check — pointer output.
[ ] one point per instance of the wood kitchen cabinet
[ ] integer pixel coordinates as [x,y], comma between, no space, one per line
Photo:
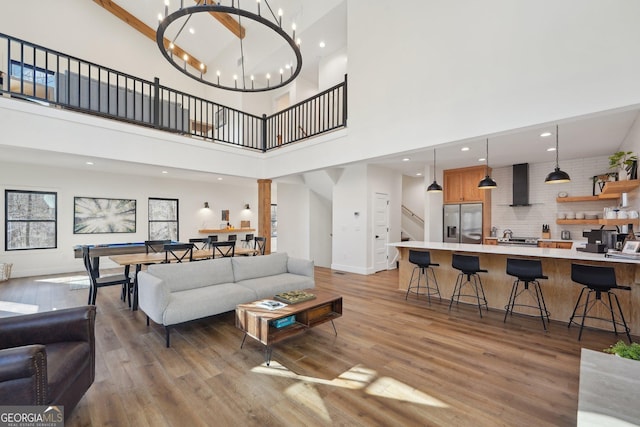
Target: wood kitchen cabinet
[554,244]
[461,185]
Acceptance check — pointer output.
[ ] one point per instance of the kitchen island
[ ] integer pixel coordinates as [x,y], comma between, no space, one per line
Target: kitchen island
[560,292]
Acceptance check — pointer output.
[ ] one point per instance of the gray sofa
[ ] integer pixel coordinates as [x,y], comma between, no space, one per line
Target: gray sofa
[171,294]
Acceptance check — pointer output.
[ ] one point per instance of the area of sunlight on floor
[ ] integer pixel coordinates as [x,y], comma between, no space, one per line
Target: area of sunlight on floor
[355,378]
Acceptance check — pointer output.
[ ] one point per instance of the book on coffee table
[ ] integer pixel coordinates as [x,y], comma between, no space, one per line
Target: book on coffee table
[270,304]
[294,297]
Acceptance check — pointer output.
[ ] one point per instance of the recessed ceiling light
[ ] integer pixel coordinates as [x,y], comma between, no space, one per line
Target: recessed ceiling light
[481,159]
[219,178]
[419,174]
[406,159]
[551,149]
[464,149]
[165,172]
[89,163]
[192,31]
[322,45]
[545,134]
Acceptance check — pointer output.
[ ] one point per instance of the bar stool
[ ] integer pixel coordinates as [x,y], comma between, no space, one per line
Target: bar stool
[248,239]
[598,280]
[422,261]
[527,272]
[469,266]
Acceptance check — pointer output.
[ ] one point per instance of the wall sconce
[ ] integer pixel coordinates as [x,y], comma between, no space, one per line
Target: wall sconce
[246,206]
[206,205]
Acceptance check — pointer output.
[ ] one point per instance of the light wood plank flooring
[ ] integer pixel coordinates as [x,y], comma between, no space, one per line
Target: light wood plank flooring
[393,363]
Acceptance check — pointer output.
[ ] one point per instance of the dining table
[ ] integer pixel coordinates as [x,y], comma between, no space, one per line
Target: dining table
[140,259]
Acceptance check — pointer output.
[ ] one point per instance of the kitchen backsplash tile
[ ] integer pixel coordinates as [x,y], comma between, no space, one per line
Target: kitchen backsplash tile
[526,221]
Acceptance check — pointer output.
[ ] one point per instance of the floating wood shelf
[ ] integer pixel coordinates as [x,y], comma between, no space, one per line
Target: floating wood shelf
[635,222]
[618,187]
[611,190]
[225,230]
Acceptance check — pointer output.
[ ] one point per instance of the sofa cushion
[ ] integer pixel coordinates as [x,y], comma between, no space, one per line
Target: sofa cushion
[245,268]
[203,302]
[267,287]
[191,275]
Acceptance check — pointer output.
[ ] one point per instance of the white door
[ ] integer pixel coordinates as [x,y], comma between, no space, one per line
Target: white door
[381,230]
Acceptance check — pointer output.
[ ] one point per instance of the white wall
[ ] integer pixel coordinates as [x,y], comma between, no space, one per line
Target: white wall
[70,183]
[349,231]
[320,230]
[293,220]
[332,69]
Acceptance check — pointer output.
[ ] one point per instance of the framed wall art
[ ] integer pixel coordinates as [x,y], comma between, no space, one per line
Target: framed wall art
[600,180]
[95,215]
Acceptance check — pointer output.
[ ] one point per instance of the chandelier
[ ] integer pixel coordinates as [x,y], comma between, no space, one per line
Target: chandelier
[177,27]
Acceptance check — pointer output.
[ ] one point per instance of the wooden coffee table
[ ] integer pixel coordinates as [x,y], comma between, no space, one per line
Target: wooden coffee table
[258,322]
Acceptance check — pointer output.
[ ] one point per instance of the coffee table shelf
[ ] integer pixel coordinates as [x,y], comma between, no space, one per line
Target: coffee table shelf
[257,322]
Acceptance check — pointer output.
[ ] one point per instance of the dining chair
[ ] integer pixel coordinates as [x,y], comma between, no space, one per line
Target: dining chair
[223,249]
[260,244]
[96,281]
[199,242]
[178,252]
[211,239]
[155,246]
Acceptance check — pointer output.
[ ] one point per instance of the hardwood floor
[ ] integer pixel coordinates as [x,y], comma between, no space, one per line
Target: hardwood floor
[393,362]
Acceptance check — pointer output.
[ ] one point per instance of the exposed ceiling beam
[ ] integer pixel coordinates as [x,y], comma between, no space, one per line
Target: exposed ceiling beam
[148,31]
[227,20]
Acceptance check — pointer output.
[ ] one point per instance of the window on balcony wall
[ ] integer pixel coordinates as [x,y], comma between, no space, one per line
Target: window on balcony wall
[29,73]
[163,219]
[31,220]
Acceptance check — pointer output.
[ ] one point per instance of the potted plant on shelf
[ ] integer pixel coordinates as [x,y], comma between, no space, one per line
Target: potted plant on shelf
[622,349]
[625,162]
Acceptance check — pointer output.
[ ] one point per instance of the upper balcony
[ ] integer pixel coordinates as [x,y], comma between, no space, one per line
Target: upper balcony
[36,73]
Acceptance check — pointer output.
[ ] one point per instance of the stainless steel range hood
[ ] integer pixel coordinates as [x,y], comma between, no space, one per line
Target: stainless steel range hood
[520,185]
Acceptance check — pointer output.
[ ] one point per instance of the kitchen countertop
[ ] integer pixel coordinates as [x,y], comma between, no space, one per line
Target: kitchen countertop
[514,250]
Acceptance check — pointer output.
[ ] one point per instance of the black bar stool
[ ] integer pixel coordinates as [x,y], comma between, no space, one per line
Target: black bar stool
[598,280]
[527,272]
[469,266]
[422,261]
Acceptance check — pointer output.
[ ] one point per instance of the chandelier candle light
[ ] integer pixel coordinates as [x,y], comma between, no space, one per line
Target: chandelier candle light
[259,28]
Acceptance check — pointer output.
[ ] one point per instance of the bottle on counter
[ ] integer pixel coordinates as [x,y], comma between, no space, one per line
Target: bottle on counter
[631,236]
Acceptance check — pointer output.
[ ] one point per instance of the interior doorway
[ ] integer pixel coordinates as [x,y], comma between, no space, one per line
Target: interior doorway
[381,231]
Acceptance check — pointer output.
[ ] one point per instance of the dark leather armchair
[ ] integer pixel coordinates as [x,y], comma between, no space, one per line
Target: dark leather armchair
[47,358]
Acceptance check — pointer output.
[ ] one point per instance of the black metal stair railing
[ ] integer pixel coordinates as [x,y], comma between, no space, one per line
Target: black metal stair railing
[46,76]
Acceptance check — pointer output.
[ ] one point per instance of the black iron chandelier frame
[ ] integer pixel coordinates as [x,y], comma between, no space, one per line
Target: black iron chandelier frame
[231,10]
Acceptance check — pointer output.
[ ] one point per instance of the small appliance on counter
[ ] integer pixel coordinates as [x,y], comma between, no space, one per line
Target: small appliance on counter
[599,241]
[565,235]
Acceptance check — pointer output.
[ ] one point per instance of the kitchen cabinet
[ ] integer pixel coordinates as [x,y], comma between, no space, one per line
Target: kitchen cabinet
[555,244]
[461,185]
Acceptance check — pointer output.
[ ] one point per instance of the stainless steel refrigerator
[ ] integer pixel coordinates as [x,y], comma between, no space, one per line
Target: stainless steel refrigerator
[463,223]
